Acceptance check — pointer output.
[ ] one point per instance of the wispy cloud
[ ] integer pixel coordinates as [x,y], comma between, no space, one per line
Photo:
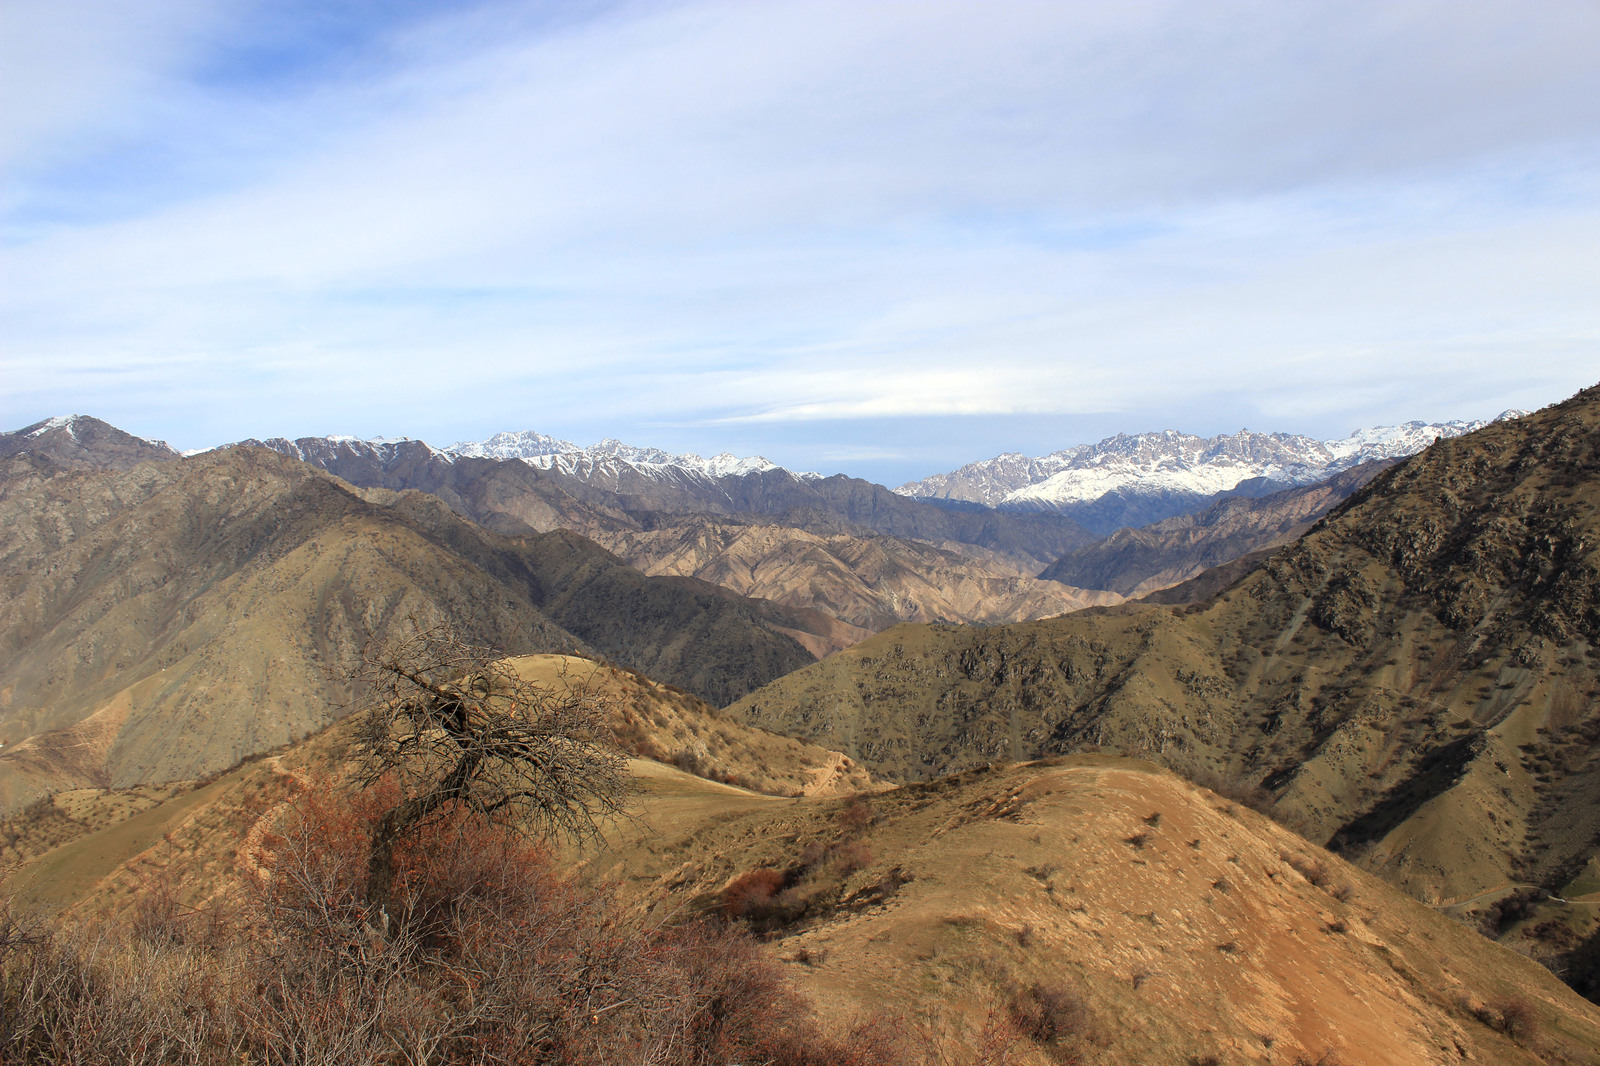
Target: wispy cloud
[233,219]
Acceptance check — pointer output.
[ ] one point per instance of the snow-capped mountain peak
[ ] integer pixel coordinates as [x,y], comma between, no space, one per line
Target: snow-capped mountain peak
[1169,462]
[89,427]
[551,453]
[512,445]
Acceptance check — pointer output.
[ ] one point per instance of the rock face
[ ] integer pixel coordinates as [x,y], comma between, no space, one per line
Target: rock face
[1413,681]
[1134,562]
[166,621]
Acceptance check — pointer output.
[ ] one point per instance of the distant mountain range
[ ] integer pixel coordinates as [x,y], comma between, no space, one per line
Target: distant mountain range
[969,546]
[1120,482]
[1131,480]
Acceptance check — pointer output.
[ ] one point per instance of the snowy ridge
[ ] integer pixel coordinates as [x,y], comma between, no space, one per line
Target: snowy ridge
[524,445]
[311,449]
[1173,462]
[551,453]
[608,459]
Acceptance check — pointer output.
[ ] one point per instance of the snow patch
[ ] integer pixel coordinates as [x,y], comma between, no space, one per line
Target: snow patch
[66,422]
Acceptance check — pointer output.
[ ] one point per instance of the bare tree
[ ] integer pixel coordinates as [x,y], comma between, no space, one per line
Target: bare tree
[462,732]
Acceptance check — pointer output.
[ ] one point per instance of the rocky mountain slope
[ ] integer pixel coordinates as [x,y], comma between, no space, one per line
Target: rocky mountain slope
[162,622]
[1133,480]
[1134,562]
[871,583]
[1413,682]
[511,497]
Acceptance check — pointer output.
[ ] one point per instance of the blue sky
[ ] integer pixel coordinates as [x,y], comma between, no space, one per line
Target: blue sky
[885,238]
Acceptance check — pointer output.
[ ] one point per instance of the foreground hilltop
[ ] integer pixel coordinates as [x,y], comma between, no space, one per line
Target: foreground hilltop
[1089,909]
[1133,917]
[1412,682]
[96,852]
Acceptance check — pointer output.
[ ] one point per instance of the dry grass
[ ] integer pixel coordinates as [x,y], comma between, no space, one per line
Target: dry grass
[488,954]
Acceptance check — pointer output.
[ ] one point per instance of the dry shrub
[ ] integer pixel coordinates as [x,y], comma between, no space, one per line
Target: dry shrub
[856,816]
[1052,1014]
[1510,909]
[1240,790]
[487,952]
[1313,870]
[750,895]
[850,857]
[1515,1017]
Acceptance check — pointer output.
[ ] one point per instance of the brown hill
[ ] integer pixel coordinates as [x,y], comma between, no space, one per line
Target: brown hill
[843,504]
[1164,925]
[507,496]
[825,554]
[1135,562]
[1127,916]
[848,581]
[166,621]
[1412,681]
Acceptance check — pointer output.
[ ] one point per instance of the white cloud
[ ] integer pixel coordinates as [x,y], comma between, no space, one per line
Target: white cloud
[758,213]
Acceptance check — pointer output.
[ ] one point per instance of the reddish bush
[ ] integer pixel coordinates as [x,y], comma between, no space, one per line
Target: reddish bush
[751,893]
[492,955]
[1049,1013]
[856,816]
